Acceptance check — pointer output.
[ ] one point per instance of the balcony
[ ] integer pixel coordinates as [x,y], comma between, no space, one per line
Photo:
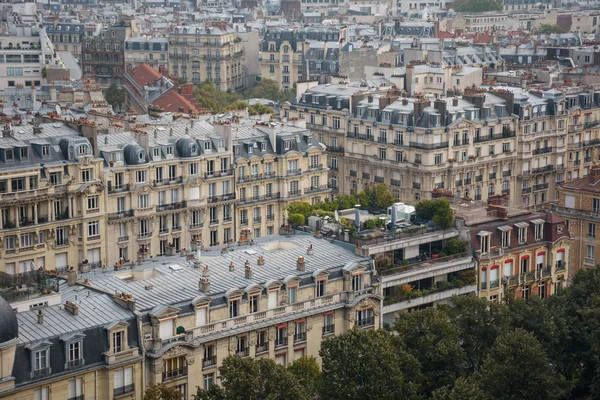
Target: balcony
[353,173]
[256,199]
[281,342]
[245,352]
[438,185]
[214,221]
[577,162]
[506,173]
[118,391]
[40,373]
[315,189]
[428,146]
[505,191]
[218,174]
[542,170]
[262,348]
[328,329]
[458,183]
[496,136]
[541,186]
[121,215]
[492,175]
[174,374]
[335,149]
[479,178]
[316,167]
[428,297]
[172,206]
[395,182]
[122,239]
[74,363]
[416,185]
[361,136]
[243,222]
[526,190]
[174,180]
[257,220]
[561,266]
[366,175]
[257,177]
[294,172]
[118,188]
[209,362]
[365,322]
[294,193]
[223,197]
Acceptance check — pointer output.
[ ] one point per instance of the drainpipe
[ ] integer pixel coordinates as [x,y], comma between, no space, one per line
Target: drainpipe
[140,341]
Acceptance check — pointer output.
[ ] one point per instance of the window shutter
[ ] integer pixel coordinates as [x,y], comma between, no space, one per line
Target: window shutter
[119,382]
[128,376]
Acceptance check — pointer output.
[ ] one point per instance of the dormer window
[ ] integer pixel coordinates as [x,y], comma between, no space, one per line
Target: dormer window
[522,232]
[45,151]
[236,150]
[156,152]
[321,287]
[221,143]
[9,155]
[538,228]
[250,148]
[357,281]
[309,140]
[234,308]
[287,144]
[484,238]
[166,327]
[118,341]
[263,147]
[82,150]
[141,156]
[169,150]
[24,153]
[74,350]
[505,233]
[206,145]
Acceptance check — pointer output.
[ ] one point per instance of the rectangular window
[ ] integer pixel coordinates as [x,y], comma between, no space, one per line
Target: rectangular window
[92,203]
[522,235]
[539,231]
[123,381]
[93,229]
[234,308]
[328,323]
[41,394]
[591,230]
[357,282]
[253,303]
[117,339]
[140,176]
[86,175]
[292,293]
[76,388]
[321,288]
[74,353]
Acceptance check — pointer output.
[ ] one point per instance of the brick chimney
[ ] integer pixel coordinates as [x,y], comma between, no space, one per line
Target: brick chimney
[72,308]
[247,270]
[71,276]
[595,173]
[300,264]
[204,284]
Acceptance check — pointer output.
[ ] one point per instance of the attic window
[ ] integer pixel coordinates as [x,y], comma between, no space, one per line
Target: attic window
[169,150]
[263,147]
[287,144]
[156,152]
[8,154]
[82,150]
[206,145]
[309,140]
[236,150]
[45,151]
[24,153]
[141,156]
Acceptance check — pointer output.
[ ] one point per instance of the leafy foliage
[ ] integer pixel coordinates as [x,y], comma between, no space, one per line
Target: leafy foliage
[367,365]
[268,89]
[438,211]
[251,379]
[471,6]
[308,373]
[209,97]
[296,219]
[548,29]
[115,96]
[161,392]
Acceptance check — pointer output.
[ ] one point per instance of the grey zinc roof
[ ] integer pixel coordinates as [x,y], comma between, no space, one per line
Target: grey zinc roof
[95,309]
[181,285]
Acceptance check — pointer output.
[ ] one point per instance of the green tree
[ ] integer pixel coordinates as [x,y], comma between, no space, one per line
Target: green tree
[376,197]
[209,97]
[479,323]
[115,96]
[549,29]
[517,368]
[472,6]
[299,207]
[259,109]
[432,339]
[161,392]
[251,379]
[437,211]
[268,89]
[463,389]
[237,105]
[365,364]
[307,372]
[296,220]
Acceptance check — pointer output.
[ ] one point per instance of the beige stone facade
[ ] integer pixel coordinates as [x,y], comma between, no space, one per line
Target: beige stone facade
[199,53]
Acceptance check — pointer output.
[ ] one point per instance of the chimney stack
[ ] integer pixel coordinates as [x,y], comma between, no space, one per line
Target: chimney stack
[40,317]
[7,131]
[310,251]
[247,270]
[260,261]
[71,276]
[300,264]
[455,101]
[205,271]
[595,173]
[204,285]
[231,266]
[72,308]
[440,106]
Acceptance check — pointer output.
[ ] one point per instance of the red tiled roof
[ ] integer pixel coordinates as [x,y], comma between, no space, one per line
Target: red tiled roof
[445,35]
[174,102]
[143,75]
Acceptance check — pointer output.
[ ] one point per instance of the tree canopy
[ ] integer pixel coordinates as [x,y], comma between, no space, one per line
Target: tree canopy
[471,6]
[437,211]
[115,97]
[268,89]
[548,29]
[161,392]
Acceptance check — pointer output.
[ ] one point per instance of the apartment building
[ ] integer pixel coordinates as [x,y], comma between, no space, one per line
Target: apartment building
[412,272]
[52,213]
[25,48]
[437,79]
[579,205]
[282,57]
[275,165]
[152,51]
[66,36]
[60,346]
[518,253]
[201,52]
[324,109]
[103,55]
[277,297]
